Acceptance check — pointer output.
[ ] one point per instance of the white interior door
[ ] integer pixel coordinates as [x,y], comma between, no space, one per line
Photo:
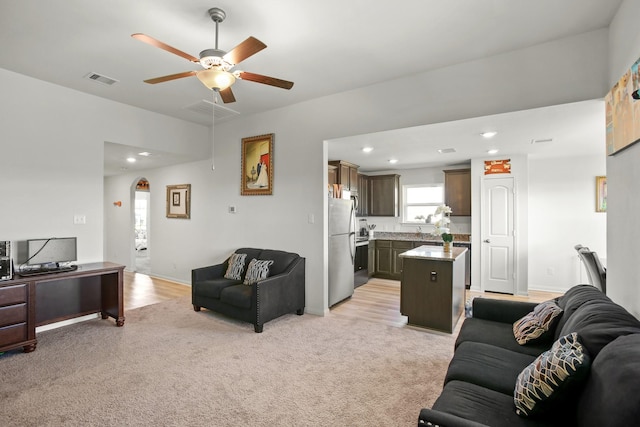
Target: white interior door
[498,237]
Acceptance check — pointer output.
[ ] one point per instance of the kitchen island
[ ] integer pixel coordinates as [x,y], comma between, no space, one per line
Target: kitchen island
[432,286]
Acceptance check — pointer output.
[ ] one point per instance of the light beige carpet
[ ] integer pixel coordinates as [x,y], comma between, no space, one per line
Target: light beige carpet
[171,366]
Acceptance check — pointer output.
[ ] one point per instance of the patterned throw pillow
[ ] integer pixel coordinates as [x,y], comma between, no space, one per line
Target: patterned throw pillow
[549,381]
[539,324]
[257,270]
[236,267]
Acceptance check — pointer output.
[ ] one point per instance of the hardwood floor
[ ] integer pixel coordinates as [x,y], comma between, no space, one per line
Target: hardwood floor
[379,301]
[141,290]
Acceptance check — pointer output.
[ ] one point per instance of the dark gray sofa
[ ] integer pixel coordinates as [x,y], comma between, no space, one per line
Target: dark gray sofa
[282,292]
[480,381]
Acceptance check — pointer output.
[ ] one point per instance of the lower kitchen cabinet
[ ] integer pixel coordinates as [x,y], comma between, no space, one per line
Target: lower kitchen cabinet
[372,258]
[388,263]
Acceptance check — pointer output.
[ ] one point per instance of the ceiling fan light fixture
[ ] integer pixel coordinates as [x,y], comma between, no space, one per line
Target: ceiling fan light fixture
[210,58]
[215,78]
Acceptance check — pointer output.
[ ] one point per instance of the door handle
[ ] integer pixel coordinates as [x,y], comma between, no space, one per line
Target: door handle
[487,241]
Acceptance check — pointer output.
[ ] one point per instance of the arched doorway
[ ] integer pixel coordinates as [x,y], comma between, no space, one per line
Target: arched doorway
[141,229]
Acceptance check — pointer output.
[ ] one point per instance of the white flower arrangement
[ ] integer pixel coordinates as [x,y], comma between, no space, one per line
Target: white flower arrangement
[441,226]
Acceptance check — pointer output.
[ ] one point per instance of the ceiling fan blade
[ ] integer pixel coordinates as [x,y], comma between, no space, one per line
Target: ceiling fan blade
[157,43]
[170,77]
[227,95]
[259,78]
[249,47]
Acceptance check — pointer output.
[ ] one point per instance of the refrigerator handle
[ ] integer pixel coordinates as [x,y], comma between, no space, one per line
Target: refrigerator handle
[352,234]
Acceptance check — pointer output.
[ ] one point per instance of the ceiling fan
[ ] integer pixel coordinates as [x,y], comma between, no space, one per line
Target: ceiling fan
[217,73]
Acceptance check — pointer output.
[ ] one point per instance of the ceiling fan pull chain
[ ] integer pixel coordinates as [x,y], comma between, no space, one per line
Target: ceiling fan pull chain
[213,130]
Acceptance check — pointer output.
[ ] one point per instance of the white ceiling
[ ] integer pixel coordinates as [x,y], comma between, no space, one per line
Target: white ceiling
[325,47]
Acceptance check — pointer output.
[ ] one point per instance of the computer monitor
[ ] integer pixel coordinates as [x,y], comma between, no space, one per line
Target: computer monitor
[53,250]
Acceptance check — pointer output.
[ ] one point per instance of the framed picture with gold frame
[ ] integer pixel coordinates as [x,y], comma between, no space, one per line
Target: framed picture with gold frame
[257,165]
[179,201]
[601,193]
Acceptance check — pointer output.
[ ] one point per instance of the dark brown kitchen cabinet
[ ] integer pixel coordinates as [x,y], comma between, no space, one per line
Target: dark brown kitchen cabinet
[372,258]
[387,260]
[332,175]
[363,195]
[457,191]
[384,195]
[346,174]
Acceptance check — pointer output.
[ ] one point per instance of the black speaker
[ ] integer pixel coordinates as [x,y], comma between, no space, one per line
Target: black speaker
[6,266]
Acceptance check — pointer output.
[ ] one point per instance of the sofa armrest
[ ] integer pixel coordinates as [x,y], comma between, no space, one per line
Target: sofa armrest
[433,418]
[501,310]
[207,273]
[282,293]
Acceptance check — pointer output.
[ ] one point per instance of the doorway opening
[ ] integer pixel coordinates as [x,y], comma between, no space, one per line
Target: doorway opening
[142,215]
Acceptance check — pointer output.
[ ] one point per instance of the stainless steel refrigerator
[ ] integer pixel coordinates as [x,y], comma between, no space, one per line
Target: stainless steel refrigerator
[342,249]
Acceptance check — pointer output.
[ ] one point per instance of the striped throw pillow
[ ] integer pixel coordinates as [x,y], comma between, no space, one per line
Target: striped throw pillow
[235,267]
[257,270]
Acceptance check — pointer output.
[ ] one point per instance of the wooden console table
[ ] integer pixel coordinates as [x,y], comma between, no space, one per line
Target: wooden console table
[30,301]
[432,288]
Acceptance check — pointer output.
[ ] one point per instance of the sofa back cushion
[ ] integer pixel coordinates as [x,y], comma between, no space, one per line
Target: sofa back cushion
[281,260]
[572,300]
[599,322]
[611,396]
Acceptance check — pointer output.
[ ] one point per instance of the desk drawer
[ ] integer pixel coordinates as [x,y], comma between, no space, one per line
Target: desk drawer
[13,334]
[14,294]
[13,314]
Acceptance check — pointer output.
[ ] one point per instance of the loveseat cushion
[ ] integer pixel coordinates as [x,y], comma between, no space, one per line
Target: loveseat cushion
[488,366]
[281,260]
[550,384]
[498,334]
[473,402]
[213,287]
[599,322]
[237,296]
[539,325]
[611,397]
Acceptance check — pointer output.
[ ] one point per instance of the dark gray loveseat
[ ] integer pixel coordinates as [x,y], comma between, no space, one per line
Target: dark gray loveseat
[480,381]
[282,292]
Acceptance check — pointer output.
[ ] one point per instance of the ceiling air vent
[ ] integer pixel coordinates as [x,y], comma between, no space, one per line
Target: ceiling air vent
[540,141]
[206,108]
[108,81]
[446,150]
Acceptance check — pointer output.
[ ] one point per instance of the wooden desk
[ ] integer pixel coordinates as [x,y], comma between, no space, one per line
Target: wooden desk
[432,288]
[27,302]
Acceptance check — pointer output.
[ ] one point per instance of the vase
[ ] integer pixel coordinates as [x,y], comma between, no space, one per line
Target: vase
[448,246]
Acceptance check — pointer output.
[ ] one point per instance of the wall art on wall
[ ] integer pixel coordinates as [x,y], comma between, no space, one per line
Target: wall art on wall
[601,193]
[622,109]
[497,166]
[257,165]
[179,201]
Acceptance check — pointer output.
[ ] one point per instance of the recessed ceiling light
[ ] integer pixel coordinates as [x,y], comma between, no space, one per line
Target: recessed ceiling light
[144,154]
[393,160]
[493,151]
[131,159]
[489,134]
[367,149]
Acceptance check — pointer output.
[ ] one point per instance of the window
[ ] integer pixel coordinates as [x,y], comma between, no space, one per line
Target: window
[420,201]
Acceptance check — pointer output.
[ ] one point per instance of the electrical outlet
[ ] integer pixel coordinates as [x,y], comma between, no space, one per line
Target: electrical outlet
[79,219]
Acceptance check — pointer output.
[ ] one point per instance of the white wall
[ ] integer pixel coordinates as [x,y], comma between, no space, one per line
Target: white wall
[52,141]
[562,214]
[623,175]
[53,155]
[417,176]
[508,82]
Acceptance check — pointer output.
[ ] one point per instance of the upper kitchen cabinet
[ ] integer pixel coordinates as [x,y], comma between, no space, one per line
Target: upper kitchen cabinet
[363,195]
[457,191]
[384,195]
[332,175]
[346,174]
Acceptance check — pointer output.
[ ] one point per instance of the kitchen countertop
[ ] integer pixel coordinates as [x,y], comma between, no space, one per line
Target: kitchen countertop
[433,253]
[417,237]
